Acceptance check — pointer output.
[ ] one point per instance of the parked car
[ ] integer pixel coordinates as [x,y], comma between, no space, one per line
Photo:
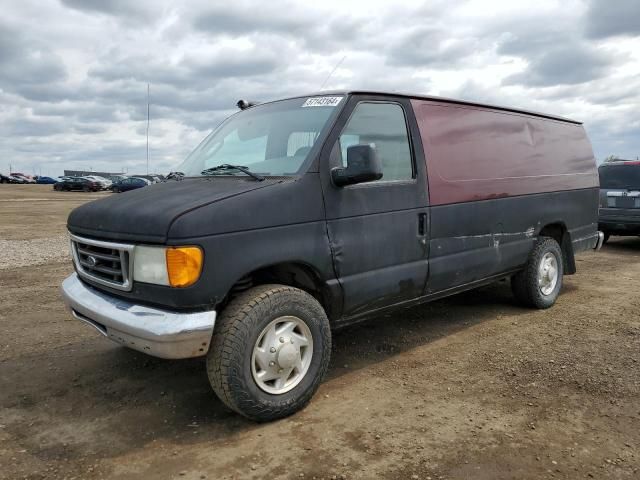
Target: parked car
[23,177]
[17,179]
[335,208]
[117,178]
[619,198]
[104,183]
[77,183]
[5,178]
[45,180]
[130,183]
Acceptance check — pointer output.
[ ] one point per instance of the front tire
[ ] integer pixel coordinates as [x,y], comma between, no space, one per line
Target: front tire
[269,352]
[539,284]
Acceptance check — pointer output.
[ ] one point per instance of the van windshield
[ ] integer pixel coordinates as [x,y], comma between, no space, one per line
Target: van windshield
[273,139]
[620,176]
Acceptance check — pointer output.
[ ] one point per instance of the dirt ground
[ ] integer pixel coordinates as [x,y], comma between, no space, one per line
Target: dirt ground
[471,387]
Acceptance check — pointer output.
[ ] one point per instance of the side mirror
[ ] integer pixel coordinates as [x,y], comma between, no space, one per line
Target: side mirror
[363,165]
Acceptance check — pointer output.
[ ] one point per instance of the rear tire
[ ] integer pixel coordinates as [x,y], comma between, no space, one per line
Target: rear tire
[253,341]
[539,284]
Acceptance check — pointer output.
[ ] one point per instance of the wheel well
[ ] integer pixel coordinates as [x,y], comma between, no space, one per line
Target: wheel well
[293,274]
[558,231]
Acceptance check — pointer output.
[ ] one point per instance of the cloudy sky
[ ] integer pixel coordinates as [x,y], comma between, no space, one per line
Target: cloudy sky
[74,73]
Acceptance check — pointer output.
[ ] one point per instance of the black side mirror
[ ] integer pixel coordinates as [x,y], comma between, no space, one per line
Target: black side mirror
[363,165]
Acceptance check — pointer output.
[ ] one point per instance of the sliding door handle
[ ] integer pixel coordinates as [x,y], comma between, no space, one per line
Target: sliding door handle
[422,224]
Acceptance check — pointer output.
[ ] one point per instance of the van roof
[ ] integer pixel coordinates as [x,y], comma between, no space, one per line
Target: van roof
[618,163]
[443,99]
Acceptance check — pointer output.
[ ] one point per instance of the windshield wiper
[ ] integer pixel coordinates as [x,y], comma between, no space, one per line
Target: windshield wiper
[225,167]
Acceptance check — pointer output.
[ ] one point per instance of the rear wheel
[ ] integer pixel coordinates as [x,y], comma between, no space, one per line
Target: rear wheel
[269,352]
[607,236]
[539,284]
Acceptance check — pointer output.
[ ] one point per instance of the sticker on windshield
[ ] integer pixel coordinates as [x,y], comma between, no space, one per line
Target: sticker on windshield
[322,102]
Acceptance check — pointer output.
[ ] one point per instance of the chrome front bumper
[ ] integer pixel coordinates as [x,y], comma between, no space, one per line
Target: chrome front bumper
[160,333]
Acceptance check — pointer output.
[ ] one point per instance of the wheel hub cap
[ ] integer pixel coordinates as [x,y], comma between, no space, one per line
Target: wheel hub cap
[548,273]
[287,355]
[282,355]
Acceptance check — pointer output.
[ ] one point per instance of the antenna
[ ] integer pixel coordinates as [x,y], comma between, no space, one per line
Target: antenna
[332,71]
[147,129]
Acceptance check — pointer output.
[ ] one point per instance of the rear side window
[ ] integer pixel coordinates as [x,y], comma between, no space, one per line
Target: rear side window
[620,176]
[383,126]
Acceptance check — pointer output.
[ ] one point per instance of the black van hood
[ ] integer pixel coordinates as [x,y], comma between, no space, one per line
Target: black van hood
[146,214]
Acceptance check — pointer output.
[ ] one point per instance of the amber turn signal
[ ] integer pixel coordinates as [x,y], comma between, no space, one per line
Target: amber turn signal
[184,265]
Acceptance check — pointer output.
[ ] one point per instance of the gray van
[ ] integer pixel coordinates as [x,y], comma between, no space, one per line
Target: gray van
[619,198]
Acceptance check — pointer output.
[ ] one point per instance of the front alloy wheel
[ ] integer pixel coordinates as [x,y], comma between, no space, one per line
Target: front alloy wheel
[269,351]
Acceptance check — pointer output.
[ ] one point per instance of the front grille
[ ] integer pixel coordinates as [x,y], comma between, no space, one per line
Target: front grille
[102,262]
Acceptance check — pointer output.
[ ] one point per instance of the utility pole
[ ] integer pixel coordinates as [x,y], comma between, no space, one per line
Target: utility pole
[147,129]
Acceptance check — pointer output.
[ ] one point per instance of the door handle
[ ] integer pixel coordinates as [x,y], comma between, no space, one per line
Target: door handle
[422,224]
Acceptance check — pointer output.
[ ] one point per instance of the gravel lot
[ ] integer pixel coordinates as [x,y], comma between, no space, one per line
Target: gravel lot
[39,251]
[470,387]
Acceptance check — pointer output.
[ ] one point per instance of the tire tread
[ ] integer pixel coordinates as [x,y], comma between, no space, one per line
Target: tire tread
[231,335]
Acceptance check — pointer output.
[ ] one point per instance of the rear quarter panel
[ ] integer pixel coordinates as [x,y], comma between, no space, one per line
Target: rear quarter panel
[495,179]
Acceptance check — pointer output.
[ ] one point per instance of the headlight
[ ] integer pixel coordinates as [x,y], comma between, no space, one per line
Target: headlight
[171,266]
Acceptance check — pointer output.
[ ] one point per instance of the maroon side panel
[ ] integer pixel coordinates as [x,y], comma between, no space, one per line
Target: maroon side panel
[474,153]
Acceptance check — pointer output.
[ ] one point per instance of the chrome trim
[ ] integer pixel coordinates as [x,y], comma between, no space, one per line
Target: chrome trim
[623,193]
[600,241]
[100,328]
[125,260]
[160,333]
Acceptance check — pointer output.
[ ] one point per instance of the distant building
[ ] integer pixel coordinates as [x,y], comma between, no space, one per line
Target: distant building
[82,173]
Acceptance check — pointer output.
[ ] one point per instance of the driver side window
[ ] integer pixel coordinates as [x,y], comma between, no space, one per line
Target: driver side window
[383,126]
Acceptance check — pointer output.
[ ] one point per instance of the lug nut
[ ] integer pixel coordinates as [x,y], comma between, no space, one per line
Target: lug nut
[272,349]
[292,340]
[272,363]
[281,339]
